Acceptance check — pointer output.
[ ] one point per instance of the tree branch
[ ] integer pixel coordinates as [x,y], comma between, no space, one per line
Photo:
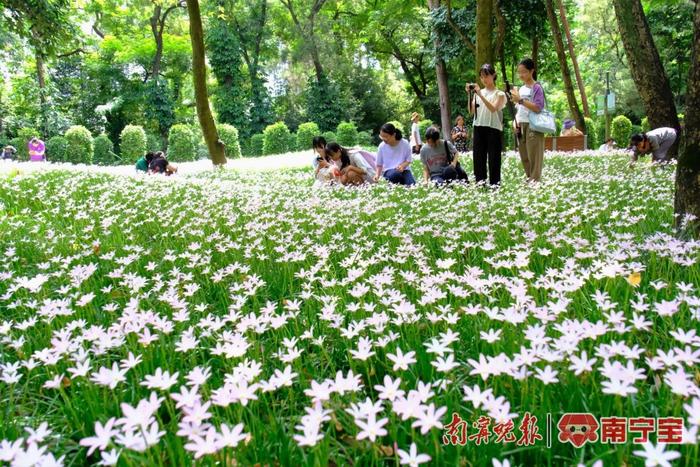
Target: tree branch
[457,29]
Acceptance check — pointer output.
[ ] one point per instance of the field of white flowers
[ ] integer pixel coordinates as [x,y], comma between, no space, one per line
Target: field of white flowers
[242,318]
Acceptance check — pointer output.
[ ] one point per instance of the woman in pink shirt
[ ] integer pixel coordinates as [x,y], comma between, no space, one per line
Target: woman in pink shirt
[37,150]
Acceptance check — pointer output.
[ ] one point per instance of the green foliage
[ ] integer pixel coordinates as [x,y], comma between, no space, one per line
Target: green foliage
[160,106]
[422,126]
[305,135]
[257,143]
[325,104]
[645,124]
[132,142]
[592,132]
[80,144]
[330,136]
[347,134]
[20,142]
[182,144]
[154,143]
[399,126]
[230,98]
[104,151]
[229,135]
[277,138]
[57,149]
[621,130]
[364,138]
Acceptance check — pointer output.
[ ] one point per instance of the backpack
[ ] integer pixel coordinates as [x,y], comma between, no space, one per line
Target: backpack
[370,158]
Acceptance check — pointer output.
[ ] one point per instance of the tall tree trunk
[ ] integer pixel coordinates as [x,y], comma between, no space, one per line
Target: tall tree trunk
[566,75]
[443,88]
[688,169]
[574,61]
[199,77]
[536,51]
[41,81]
[645,65]
[484,40]
[445,104]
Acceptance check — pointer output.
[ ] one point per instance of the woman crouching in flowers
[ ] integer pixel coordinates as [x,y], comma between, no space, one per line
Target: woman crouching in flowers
[351,167]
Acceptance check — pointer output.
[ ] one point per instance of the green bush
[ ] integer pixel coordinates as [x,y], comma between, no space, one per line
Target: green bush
[229,135]
[305,135]
[330,136]
[600,129]
[277,137]
[399,126]
[422,126]
[364,138]
[347,134]
[645,124]
[80,147]
[592,132]
[57,149]
[154,143]
[257,143]
[559,125]
[621,130]
[104,151]
[182,144]
[132,143]
[20,142]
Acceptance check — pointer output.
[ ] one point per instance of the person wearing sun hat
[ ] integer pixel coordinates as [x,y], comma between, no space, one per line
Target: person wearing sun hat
[569,128]
[415,139]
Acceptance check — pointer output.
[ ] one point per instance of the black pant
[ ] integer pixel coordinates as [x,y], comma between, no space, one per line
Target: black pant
[488,143]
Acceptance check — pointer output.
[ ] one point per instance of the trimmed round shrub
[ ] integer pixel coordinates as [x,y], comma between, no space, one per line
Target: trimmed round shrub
[364,138]
[182,144]
[277,137]
[256,145]
[330,136]
[592,132]
[347,134]
[645,124]
[80,147]
[229,135]
[399,126]
[305,135]
[621,130]
[57,149]
[104,151]
[132,143]
[422,126]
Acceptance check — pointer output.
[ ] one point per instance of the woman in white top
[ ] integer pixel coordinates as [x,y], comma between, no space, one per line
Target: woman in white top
[415,140]
[487,108]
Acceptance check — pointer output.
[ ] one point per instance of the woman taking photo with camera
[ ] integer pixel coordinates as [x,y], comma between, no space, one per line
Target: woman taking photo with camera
[487,105]
[530,98]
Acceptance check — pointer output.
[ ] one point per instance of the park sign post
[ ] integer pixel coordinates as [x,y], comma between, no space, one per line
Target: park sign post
[606,110]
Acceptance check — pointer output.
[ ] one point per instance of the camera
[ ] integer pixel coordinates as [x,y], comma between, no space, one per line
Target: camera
[472,86]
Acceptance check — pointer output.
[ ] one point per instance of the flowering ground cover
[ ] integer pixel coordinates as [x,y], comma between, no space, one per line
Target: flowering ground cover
[241,318]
